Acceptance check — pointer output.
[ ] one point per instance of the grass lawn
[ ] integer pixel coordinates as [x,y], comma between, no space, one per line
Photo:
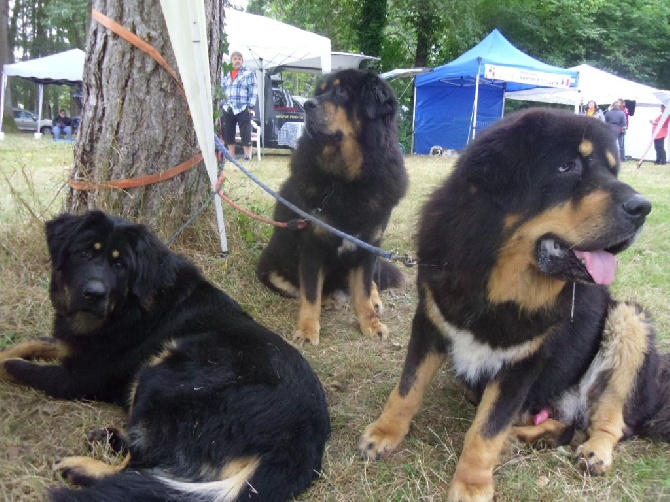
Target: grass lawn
[358,373]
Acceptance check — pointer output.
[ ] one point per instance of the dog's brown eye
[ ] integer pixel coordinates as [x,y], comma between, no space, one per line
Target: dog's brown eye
[85,254]
[570,166]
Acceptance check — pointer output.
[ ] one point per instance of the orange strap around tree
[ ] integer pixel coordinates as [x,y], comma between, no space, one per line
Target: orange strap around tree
[151,178]
[140,181]
[133,39]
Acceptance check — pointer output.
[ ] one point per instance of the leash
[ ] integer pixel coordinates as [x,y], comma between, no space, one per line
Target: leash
[296,224]
[306,216]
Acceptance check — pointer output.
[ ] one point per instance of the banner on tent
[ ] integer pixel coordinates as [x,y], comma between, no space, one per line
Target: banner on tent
[531,77]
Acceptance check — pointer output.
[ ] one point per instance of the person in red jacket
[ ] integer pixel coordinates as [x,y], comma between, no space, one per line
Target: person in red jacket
[659,139]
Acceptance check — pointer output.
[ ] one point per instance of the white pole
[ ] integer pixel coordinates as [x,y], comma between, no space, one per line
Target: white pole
[2,104]
[411,150]
[38,134]
[261,102]
[474,120]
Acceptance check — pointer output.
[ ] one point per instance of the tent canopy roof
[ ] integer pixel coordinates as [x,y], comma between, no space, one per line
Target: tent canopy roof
[604,88]
[65,68]
[267,43]
[338,61]
[495,49]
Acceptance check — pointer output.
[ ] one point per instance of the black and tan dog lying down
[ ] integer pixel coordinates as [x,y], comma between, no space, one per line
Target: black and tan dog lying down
[521,242]
[219,407]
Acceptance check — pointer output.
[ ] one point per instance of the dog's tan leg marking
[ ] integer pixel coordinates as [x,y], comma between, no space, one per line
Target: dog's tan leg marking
[309,324]
[376,299]
[623,351]
[531,433]
[73,468]
[368,318]
[30,350]
[283,285]
[473,479]
[383,436]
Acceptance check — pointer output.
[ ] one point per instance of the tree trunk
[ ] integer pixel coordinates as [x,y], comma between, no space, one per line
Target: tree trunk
[5,59]
[135,121]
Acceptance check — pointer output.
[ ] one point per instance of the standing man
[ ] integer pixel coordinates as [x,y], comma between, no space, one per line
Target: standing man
[240,95]
[616,119]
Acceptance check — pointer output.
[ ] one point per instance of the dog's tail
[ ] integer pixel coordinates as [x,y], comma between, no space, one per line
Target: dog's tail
[658,427]
[149,486]
[387,275]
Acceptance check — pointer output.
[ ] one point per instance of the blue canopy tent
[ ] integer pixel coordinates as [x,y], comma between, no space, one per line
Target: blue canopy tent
[456,100]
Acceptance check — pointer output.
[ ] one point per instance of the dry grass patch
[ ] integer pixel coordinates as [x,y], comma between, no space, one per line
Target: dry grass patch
[358,373]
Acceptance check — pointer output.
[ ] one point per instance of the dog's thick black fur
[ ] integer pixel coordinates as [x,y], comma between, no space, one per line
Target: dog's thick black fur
[219,407]
[349,172]
[516,251]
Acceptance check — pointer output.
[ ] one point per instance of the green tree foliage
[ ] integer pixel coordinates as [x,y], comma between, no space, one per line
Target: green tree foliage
[629,37]
[371,23]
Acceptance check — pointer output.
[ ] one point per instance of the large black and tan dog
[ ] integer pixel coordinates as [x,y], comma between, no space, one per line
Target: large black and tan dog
[348,171]
[521,242]
[219,407]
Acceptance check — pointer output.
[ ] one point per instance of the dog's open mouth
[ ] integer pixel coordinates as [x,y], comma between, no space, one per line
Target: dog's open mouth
[591,266]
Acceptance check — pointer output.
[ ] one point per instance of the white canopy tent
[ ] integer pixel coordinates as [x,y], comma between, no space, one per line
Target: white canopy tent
[596,84]
[266,43]
[604,88]
[64,68]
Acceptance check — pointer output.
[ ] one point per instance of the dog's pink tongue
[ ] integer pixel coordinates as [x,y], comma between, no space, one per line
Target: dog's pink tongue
[600,264]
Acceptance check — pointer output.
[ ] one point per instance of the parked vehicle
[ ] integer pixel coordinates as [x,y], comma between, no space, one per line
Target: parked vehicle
[284,120]
[27,121]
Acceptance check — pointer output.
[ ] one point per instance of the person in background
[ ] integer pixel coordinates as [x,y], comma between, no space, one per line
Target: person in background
[659,139]
[592,110]
[624,109]
[241,92]
[62,124]
[616,119]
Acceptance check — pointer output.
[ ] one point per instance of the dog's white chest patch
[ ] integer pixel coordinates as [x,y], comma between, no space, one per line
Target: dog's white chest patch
[473,359]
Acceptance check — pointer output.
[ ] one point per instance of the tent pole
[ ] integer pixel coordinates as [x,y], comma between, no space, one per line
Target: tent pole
[411,150]
[39,111]
[474,119]
[2,103]
[261,103]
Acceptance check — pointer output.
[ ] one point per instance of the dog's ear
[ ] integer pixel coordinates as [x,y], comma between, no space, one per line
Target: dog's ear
[154,265]
[378,99]
[59,233]
[497,162]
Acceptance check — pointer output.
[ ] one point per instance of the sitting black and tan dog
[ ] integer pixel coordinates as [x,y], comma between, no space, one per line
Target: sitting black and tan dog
[516,251]
[219,407]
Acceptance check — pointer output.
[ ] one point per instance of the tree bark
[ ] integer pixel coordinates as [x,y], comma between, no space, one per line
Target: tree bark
[5,59]
[135,121]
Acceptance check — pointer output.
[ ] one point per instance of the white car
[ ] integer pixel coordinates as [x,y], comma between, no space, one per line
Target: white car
[27,121]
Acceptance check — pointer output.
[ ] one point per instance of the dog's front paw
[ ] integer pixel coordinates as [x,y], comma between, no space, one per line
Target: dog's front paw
[594,457]
[307,334]
[380,439]
[371,326]
[460,491]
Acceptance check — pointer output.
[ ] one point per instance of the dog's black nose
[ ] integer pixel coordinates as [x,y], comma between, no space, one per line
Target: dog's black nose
[94,290]
[637,206]
[309,105]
